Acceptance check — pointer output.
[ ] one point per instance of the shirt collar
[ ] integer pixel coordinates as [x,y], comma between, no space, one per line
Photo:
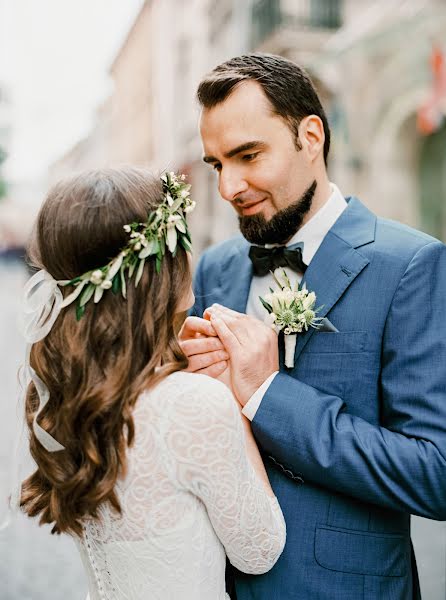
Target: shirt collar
[314,231]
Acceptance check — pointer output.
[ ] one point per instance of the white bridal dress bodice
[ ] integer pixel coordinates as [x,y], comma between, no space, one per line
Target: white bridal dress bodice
[189,496]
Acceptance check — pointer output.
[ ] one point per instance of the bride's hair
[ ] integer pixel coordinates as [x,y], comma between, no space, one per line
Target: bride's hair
[95,368]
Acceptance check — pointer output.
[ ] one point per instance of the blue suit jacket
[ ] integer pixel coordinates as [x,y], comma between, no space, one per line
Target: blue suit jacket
[354,436]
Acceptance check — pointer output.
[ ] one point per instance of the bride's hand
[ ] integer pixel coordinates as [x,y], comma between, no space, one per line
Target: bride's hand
[225,377]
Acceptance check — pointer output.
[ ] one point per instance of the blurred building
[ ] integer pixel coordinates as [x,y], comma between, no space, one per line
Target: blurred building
[371,63]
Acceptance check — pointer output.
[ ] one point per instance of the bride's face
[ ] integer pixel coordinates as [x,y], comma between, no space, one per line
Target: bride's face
[189,299]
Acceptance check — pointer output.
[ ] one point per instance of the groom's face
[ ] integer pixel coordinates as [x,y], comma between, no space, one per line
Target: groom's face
[268,181]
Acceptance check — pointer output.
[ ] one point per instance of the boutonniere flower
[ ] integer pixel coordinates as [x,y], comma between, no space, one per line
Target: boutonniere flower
[291,311]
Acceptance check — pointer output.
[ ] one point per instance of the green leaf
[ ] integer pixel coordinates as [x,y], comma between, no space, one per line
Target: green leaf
[162,244]
[87,293]
[158,265]
[268,307]
[186,245]
[80,311]
[116,285]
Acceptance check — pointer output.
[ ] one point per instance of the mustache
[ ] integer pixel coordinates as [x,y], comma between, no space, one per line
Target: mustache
[242,201]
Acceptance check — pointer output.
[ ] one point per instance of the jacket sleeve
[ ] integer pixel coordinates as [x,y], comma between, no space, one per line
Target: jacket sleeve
[402,463]
[198,307]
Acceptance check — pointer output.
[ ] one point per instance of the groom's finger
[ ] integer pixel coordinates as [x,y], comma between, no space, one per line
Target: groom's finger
[227,336]
[193,326]
[201,345]
[198,362]
[224,309]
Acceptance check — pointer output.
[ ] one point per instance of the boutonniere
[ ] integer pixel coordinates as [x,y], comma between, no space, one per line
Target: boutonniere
[291,311]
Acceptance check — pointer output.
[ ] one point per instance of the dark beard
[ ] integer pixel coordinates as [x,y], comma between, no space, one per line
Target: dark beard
[282,226]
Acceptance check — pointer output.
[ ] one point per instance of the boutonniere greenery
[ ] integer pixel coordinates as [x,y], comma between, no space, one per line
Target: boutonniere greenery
[291,311]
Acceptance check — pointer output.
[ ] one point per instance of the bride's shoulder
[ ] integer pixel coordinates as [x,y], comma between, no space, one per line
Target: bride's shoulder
[192,390]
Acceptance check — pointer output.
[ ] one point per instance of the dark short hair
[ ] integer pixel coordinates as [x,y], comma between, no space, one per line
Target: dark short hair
[286,85]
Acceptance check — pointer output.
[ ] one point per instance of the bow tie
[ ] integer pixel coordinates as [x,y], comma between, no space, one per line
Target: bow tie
[265,260]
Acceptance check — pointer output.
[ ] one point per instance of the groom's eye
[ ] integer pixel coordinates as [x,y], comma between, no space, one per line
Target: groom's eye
[248,157]
[216,166]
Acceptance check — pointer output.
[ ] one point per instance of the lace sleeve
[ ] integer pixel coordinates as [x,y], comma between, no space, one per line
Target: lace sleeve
[208,442]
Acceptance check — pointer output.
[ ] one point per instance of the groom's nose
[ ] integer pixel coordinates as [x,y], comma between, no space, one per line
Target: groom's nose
[231,184]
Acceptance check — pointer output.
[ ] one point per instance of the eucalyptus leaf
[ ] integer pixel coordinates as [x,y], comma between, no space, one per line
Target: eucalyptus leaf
[145,252]
[172,239]
[176,205]
[87,294]
[72,297]
[99,291]
[115,267]
[123,284]
[139,272]
[132,267]
[181,226]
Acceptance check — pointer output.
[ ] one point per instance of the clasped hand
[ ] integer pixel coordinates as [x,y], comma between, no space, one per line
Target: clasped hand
[236,348]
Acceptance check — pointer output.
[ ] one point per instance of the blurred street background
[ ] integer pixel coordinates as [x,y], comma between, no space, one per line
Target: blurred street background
[93,83]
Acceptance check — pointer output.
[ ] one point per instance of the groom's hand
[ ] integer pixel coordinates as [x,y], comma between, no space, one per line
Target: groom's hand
[206,353]
[252,347]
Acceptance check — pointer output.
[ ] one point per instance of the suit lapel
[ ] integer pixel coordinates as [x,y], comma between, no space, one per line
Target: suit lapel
[337,262]
[235,279]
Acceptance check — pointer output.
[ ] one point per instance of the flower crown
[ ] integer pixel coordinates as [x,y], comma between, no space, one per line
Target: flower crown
[165,227]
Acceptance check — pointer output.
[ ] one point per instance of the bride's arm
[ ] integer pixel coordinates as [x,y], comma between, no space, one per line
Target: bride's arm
[219,462]
[251,444]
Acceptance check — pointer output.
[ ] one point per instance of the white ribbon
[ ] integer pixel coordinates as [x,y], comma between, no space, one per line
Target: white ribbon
[42,303]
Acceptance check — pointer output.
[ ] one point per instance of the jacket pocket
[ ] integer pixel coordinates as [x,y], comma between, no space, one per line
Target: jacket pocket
[361,552]
[342,342]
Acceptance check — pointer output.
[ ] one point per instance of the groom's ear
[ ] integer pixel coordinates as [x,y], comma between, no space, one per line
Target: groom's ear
[312,136]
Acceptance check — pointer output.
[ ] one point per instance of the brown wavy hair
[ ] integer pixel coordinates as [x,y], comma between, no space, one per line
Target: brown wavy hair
[96,368]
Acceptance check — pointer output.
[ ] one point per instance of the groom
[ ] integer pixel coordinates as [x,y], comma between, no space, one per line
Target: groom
[354,435]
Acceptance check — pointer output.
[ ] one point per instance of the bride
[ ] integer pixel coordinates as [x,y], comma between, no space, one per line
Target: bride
[151,469]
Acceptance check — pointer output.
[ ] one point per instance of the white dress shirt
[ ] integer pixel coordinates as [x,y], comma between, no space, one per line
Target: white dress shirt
[312,235]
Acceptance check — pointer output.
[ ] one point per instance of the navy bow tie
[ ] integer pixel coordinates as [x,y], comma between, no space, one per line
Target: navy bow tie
[265,260]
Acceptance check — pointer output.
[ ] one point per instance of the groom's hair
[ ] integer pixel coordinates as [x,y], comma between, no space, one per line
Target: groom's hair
[286,85]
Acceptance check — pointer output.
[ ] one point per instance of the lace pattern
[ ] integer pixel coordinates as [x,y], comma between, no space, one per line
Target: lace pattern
[189,496]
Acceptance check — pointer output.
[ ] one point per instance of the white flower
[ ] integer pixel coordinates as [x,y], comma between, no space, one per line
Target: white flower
[96,277]
[185,194]
[127,228]
[137,246]
[106,285]
[183,177]
[190,207]
[281,299]
[309,300]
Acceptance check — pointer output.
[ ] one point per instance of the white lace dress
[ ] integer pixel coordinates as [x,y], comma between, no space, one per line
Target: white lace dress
[189,496]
